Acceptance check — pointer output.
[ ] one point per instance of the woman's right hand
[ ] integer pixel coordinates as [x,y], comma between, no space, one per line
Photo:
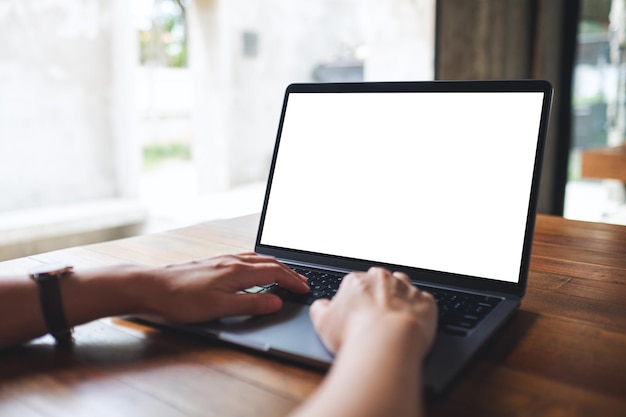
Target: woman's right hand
[375,298]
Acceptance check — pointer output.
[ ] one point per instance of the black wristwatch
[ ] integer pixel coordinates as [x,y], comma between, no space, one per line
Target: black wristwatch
[47,277]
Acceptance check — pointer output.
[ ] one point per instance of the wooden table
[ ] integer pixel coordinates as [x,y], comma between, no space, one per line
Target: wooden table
[563,354]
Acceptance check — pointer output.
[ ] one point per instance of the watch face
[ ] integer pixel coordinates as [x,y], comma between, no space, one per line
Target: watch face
[56,268]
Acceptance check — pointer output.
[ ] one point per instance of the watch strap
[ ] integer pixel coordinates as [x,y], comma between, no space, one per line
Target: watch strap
[52,305]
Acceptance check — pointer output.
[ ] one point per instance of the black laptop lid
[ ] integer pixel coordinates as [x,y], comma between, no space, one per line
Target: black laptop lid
[438,179]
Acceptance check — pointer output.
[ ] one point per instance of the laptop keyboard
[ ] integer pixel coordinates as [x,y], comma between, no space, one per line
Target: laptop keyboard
[459,312]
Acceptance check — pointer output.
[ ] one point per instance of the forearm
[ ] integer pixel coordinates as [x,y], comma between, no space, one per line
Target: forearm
[182,293]
[377,373]
[86,295]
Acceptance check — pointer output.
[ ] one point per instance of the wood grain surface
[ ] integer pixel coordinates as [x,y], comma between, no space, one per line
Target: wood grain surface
[562,354]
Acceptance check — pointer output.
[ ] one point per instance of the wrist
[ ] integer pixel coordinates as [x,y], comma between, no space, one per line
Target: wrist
[90,294]
[402,331]
[47,277]
[393,375]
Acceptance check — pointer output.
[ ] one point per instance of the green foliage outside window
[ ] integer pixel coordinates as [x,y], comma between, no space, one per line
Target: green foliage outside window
[155,155]
[163,40]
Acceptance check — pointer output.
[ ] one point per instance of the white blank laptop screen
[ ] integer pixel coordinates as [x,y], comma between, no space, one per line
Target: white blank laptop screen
[439,181]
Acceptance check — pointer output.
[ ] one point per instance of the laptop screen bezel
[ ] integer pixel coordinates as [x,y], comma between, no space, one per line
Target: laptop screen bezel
[418,274]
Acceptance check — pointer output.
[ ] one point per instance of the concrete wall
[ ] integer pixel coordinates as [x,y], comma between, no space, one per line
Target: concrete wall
[62,119]
[68,71]
[65,126]
[239,95]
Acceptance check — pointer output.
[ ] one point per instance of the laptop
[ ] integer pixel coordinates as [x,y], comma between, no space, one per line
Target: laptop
[435,179]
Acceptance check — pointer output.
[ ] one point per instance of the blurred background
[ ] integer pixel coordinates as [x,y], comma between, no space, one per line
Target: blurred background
[121,117]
